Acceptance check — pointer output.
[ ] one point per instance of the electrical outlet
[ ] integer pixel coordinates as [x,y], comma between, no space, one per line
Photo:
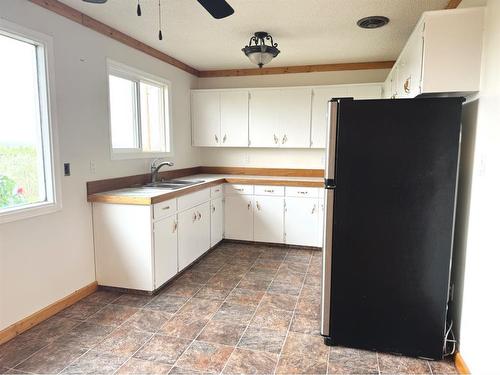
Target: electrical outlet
[92,167]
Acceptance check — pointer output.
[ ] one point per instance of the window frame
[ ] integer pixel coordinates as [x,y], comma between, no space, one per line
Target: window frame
[121,70]
[48,123]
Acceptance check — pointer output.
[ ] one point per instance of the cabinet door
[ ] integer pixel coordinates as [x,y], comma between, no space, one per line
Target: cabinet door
[205,112]
[238,217]
[302,221]
[319,120]
[216,221]
[165,250]
[264,111]
[365,92]
[268,219]
[234,118]
[295,118]
[410,66]
[194,234]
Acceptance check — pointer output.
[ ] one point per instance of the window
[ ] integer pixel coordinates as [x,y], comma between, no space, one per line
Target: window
[27,179]
[139,113]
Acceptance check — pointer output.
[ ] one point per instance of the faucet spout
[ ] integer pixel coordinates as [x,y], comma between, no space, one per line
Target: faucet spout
[156,165]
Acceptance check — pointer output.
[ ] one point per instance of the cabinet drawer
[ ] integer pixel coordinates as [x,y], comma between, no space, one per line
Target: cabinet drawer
[216,191]
[306,192]
[277,191]
[232,189]
[163,209]
[193,199]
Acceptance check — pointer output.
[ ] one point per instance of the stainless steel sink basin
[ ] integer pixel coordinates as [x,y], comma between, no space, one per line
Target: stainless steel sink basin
[172,184]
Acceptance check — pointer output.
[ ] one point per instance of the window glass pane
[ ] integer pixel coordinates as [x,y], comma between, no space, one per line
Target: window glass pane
[22,175]
[122,94]
[152,118]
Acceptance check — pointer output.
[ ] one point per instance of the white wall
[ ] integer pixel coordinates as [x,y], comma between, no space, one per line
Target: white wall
[46,258]
[291,158]
[481,307]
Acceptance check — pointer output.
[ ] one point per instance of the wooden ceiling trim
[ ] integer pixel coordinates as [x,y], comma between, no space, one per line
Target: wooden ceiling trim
[297,69]
[452,4]
[81,18]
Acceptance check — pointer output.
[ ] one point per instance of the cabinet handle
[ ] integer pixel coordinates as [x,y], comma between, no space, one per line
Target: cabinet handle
[249,205]
[175,227]
[302,192]
[283,141]
[194,217]
[276,140]
[224,139]
[313,210]
[258,205]
[238,189]
[199,215]
[269,190]
[213,208]
[216,190]
[407,85]
[216,138]
[166,208]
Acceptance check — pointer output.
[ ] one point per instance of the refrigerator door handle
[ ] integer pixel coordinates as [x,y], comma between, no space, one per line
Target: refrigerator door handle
[331,143]
[326,278]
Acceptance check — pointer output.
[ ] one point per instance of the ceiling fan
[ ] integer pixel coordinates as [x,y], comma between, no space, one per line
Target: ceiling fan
[217,8]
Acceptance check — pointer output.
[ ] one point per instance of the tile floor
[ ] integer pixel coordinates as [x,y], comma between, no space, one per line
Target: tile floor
[242,309]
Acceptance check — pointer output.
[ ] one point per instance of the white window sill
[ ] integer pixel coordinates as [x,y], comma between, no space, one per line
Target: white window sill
[123,155]
[28,211]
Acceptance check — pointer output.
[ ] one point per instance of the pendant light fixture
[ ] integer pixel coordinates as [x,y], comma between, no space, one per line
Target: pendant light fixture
[139,10]
[258,51]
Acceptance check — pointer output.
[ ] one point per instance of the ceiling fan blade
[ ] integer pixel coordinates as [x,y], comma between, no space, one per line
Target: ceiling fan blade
[95,1]
[217,8]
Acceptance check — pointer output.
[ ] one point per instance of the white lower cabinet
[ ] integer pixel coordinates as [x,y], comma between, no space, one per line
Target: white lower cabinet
[194,234]
[238,212]
[165,250]
[216,221]
[302,221]
[268,219]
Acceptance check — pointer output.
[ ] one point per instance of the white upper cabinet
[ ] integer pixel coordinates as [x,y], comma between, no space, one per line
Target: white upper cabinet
[443,55]
[294,111]
[205,112]
[280,117]
[264,122]
[234,118]
[219,118]
[321,96]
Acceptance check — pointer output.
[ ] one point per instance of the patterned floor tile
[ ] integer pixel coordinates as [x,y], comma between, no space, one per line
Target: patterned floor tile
[166,303]
[112,315]
[291,363]
[85,335]
[262,339]
[123,342]
[51,359]
[139,366]
[444,367]
[266,317]
[249,362]
[81,310]
[147,320]
[164,349]
[133,300]
[208,292]
[235,313]
[222,332]
[94,362]
[245,296]
[352,361]
[279,301]
[305,324]
[392,364]
[202,356]
[102,296]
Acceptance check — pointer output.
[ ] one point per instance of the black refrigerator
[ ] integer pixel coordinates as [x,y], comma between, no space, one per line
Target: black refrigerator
[390,192]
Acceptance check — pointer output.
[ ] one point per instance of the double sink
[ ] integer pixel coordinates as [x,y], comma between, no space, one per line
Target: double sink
[172,184]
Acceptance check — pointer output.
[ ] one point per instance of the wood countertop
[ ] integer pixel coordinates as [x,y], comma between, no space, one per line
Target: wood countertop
[147,196]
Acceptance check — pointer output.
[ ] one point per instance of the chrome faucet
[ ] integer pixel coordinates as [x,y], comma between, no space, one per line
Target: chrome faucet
[156,166]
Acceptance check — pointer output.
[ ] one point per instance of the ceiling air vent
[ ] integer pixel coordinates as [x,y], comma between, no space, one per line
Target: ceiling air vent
[373,22]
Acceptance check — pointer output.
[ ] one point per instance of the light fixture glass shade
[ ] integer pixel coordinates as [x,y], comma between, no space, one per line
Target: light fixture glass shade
[258,52]
[260,58]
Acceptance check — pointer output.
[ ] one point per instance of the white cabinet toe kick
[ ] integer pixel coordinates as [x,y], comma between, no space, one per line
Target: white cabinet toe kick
[142,247]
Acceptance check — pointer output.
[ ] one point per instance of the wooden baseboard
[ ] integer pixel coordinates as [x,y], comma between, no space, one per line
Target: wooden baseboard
[461,365]
[45,313]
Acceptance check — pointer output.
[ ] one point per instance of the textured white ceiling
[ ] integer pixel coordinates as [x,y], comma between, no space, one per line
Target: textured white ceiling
[307,31]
